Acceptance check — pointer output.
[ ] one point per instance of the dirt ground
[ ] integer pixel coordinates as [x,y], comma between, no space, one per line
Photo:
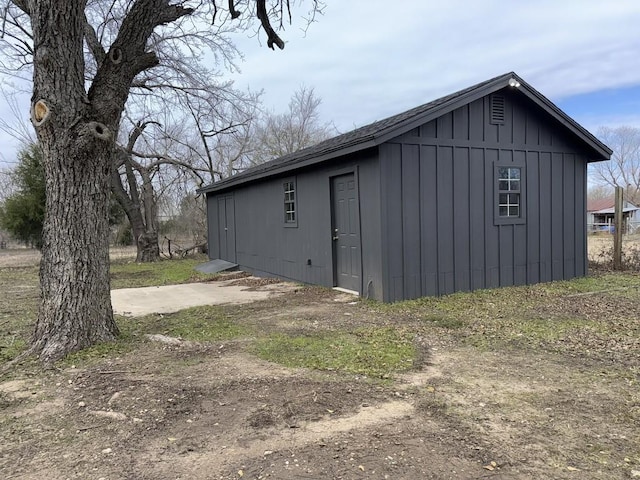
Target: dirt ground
[215,411]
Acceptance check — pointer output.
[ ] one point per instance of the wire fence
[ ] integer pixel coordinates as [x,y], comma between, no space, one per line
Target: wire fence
[630,228]
[600,245]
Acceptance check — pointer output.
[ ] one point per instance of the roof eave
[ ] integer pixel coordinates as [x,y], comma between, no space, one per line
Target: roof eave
[362,144]
[498,84]
[446,107]
[547,105]
[601,151]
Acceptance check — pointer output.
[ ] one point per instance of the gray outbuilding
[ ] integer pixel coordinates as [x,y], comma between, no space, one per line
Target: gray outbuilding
[479,189]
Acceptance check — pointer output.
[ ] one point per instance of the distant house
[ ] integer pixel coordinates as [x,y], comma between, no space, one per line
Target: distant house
[600,214]
[479,189]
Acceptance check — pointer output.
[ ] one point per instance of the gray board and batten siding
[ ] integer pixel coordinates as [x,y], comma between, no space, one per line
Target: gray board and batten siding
[304,250]
[415,205]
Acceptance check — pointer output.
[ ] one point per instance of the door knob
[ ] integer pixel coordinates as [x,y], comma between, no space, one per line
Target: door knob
[335,235]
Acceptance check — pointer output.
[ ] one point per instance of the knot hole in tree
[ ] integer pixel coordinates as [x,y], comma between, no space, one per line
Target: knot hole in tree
[99,130]
[115,55]
[40,112]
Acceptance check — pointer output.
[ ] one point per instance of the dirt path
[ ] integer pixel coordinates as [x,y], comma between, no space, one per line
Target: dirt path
[217,412]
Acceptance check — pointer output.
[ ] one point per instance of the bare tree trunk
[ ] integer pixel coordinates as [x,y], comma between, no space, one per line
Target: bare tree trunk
[148,245]
[617,234]
[144,228]
[75,311]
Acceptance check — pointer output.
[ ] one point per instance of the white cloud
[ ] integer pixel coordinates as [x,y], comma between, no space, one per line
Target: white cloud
[368,59]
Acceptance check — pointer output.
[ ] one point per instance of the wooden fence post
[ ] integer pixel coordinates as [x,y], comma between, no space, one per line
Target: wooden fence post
[617,235]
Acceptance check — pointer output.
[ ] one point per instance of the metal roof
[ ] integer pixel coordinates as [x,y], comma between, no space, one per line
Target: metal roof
[607,205]
[380,131]
[613,210]
[600,204]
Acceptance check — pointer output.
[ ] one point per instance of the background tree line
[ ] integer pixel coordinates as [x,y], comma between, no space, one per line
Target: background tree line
[159,168]
[168,186]
[623,170]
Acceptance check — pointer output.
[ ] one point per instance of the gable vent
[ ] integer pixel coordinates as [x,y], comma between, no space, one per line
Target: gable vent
[497,109]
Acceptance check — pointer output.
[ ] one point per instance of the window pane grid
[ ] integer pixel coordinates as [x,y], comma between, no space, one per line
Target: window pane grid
[289,202]
[509,191]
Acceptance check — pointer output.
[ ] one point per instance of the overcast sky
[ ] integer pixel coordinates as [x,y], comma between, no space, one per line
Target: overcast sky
[369,59]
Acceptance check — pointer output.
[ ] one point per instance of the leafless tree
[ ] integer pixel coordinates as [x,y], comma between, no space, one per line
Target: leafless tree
[76,110]
[196,137]
[623,170]
[299,127]
[600,192]
[186,227]
[16,124]
[219,137]
[6,184]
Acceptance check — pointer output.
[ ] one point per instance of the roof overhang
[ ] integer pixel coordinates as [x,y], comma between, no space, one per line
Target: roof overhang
[256,173]
[613,210]
[509,80]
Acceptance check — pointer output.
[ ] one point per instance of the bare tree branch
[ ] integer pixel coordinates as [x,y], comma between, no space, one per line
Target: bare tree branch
[24,5]
[232,10]
[272,36]
[110,88]
[93,43]
[623,170]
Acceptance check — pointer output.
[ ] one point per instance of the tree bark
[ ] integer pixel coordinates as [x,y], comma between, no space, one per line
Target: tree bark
[75,310]
[148,246]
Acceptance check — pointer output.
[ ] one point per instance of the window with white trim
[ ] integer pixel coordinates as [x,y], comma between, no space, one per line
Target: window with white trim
[290,217]
[509,193]
[509,180]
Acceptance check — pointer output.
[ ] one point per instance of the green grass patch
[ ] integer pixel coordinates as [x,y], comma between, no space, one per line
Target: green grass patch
[513,300]
[593,283]
[162,272]
[374,352]
[11,347]
[200,324]
[553,316]
[100,351]
[446,322]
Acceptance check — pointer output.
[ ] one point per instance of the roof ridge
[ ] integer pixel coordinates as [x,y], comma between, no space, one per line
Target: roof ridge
[376,132]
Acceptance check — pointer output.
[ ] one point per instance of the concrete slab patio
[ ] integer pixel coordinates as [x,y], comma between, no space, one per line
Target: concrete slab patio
[172,298]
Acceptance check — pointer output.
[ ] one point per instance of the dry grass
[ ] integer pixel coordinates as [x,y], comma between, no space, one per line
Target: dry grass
[29,257]
[600,247]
